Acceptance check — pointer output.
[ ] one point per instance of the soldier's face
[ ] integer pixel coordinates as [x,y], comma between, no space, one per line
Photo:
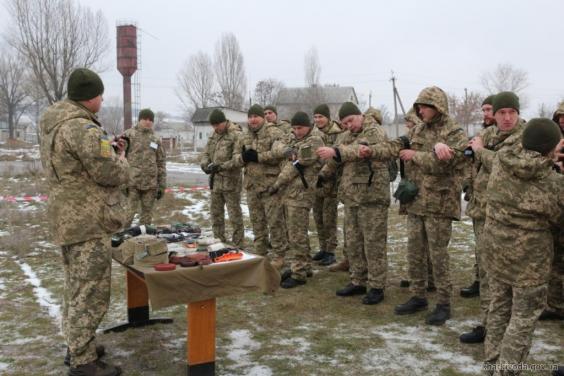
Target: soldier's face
[146,123]
[506,118]
[427,113]
[255,121]
[353,123]
[94,104]
[220,128]
[487,112]
[561,122]
[270,116]
[320,121]
[300,131]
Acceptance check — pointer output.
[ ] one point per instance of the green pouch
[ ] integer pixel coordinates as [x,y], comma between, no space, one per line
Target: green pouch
[406,191]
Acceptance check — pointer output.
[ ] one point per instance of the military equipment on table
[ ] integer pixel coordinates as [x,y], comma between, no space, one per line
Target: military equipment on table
[131,232]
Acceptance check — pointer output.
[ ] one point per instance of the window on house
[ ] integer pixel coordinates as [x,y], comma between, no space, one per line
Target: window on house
[200,135]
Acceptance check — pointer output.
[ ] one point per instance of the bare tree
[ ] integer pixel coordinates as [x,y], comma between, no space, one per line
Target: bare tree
[230,71]
[465,110]
[266,91]
[111,115]
[197,82]
[506,77]
[544,111]
[159,122]
[312,68]
[386,114]
[55,37]
[14,89]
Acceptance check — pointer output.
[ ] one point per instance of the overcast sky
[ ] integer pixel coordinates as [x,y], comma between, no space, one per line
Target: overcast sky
[445,43]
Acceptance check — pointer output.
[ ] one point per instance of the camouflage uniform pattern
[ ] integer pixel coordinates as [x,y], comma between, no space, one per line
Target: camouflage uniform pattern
[555,299]
[559,111]
[300,199]
[284,126]
[222,150]
[84,175]
[266,212]
[326,202]
[525,199]
[147,162]
[366,207]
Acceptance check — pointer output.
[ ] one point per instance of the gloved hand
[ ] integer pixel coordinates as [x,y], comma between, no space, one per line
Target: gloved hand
[160,193]
[320,181]
[249,155]
[205,169]
[299,167]
[272,190]
[213,168]
[405,142]
[290,153]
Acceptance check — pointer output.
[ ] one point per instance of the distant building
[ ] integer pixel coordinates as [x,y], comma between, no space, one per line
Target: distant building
[175,133]
[202,126]
[293,99]
[26,130]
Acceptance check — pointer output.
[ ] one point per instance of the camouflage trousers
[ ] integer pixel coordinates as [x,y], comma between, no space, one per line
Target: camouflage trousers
[325,216]
[267,218]
[483,274]
[556,281]
[367,231]
[430,278]
[87,271]
[512,318]
[145,198]
[232,200]
[433,232]
[299,248]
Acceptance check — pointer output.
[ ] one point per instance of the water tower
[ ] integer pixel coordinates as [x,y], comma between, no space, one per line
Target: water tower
[127,65]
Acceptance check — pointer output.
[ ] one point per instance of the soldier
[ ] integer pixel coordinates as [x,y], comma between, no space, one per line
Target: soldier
[84,174]
[364,189]
[485,146]
[488,120]
[147,162]
[297,180]
[326,202]
[525,198]
[558,117]
[219,161]
[271,116]
[261,151]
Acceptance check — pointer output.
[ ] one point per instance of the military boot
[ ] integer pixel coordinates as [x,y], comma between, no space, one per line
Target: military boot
[291,282]
[471,291]
[559,371]
[374,296]
[342,266]
[414,304]
[351,289]
[439,315]
[95,368]
[320,255]
[328,259]
[100,351]
[477,335]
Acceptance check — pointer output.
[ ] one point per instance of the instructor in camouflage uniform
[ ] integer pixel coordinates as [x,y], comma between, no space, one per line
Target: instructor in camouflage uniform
[271,117]
[147,167]
[84,175]
[219,161]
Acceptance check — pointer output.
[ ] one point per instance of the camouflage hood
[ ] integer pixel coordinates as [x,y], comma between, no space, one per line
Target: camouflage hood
[559,111]
[412,117]
[375,114]
[61,112]
[523,163]
[433,96]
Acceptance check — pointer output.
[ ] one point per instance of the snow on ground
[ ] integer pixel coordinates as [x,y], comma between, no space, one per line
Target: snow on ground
[31,153]
[184,167]
[4,233]
[239,352]
[43,296]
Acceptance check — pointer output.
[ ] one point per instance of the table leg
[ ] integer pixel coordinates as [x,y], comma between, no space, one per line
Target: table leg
[200,346]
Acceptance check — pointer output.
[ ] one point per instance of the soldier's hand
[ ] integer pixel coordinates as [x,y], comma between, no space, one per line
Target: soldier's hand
[290,154]
[272,190]
[205,169]
[249,155]
[476,143]
[364,151]
[559,154]
[326,152]
[443,151]
[407,154]
[213,168]
[160,193]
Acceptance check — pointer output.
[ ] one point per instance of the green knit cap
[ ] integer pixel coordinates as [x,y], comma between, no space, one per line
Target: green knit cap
[84,84]
[322,109]
[255,109]
[505,99]
[271,108]
[301,118]
[217,117]
[488,100]
[541,135]
[348,108]
[146,113]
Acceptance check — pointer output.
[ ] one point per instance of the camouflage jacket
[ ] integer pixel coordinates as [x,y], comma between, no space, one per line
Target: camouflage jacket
[147,160]
[559,111]
[295,193]
[269,142]
[283,125]
[353,186]
[222,150]
[329,136]
[494,140]
[83,173]
[525,199]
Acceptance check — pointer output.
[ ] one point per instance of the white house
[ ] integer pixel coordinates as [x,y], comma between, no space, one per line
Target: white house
[202,126]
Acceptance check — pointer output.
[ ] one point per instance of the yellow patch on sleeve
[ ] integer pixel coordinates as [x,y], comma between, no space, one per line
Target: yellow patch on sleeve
[105,148]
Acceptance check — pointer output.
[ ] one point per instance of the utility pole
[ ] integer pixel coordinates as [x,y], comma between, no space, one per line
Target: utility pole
[370,99]
[396,100]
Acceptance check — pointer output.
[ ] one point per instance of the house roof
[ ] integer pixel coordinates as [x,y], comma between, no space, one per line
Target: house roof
[330,94]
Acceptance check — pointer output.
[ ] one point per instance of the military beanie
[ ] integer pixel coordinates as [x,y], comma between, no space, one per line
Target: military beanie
[255,109]
[348,108]
[301,118]
[541,135]
[146,113]
[322,109]
[217,117]
[84,84]
[505,99]
[488,100]
[271,108]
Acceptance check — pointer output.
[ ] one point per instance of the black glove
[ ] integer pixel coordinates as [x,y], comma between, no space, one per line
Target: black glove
[160,193]
[299,167]
[405,142]
[205,169]
[320,181]
[213,168]
[249,155]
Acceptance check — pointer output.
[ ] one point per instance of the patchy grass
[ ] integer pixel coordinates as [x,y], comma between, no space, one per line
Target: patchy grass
[307,330]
